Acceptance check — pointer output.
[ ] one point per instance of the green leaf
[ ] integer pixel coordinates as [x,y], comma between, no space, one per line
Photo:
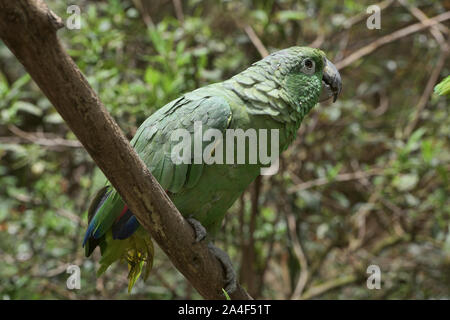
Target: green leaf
[27,107]
[333,171]
[152,76]
[226,294]
[405,182]
[428,151]
[287,15]
[443,88]
[54,118]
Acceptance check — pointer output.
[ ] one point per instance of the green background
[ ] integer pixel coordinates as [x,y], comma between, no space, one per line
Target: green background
[366,181]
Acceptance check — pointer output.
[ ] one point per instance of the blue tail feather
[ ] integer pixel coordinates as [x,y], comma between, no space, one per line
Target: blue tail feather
[93,221]
[125,226]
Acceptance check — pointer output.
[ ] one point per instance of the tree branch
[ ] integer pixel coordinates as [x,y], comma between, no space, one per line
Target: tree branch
[41,139]
[428,91]
[401,33]
[256,41]
[29,28]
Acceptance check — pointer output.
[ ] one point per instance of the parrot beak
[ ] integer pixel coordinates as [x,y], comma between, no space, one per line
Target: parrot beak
[332,84]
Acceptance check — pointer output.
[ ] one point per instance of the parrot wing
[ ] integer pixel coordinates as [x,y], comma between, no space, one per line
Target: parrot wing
[110,219]
[154,141]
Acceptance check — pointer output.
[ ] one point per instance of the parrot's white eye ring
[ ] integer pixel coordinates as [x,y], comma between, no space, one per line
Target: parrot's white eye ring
[309,66]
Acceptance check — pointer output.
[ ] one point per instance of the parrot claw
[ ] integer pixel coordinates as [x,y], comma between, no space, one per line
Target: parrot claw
[222,256]
[230,274]
[199,229]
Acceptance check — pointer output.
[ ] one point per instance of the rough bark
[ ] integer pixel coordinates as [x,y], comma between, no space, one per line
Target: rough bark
[29,29]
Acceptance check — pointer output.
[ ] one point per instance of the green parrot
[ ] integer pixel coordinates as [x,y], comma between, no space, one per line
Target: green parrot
[274,93]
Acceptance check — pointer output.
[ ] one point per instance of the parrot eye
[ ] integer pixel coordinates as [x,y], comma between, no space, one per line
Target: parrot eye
[308,66]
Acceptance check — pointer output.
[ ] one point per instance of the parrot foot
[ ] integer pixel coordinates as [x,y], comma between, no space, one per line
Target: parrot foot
[199,229]
[230,274]
[222,256]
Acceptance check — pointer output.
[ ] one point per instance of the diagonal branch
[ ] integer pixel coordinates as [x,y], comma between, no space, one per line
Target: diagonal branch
[435,30]
[401,33]
[428,91]
[256,41]
[29,28]
[43,140]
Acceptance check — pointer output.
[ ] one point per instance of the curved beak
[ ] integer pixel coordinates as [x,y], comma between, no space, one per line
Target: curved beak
[332,83]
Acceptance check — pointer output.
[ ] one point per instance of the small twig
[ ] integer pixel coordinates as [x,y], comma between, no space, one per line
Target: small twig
[384,104]
[343,43]
[145,15]
[248,259]
[178,10]
[401,33]
[318,41]
[166,284]
[256,41]
[427,92]
[338,178]
[435,30]
[268,256]
[41,139]
[360,220]
[71,216]
[301,257]
[316,264]
[58,290]
[361,215]
[329,285]
[59,269]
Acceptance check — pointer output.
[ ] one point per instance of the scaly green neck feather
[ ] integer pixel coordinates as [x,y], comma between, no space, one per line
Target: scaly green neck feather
[264,94]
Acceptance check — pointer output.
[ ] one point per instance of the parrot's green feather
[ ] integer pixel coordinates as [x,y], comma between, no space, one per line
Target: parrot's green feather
[273,93]
[137,251]
[155,148]
[92,243]
[107,213]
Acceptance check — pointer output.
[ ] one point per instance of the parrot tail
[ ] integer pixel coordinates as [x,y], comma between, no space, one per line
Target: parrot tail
[114,228]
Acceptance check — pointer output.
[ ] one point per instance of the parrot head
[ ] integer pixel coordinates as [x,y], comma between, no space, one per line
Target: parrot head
[307,75]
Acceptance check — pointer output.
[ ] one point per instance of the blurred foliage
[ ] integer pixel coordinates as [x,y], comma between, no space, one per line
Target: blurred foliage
[357,188]
[443,88]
